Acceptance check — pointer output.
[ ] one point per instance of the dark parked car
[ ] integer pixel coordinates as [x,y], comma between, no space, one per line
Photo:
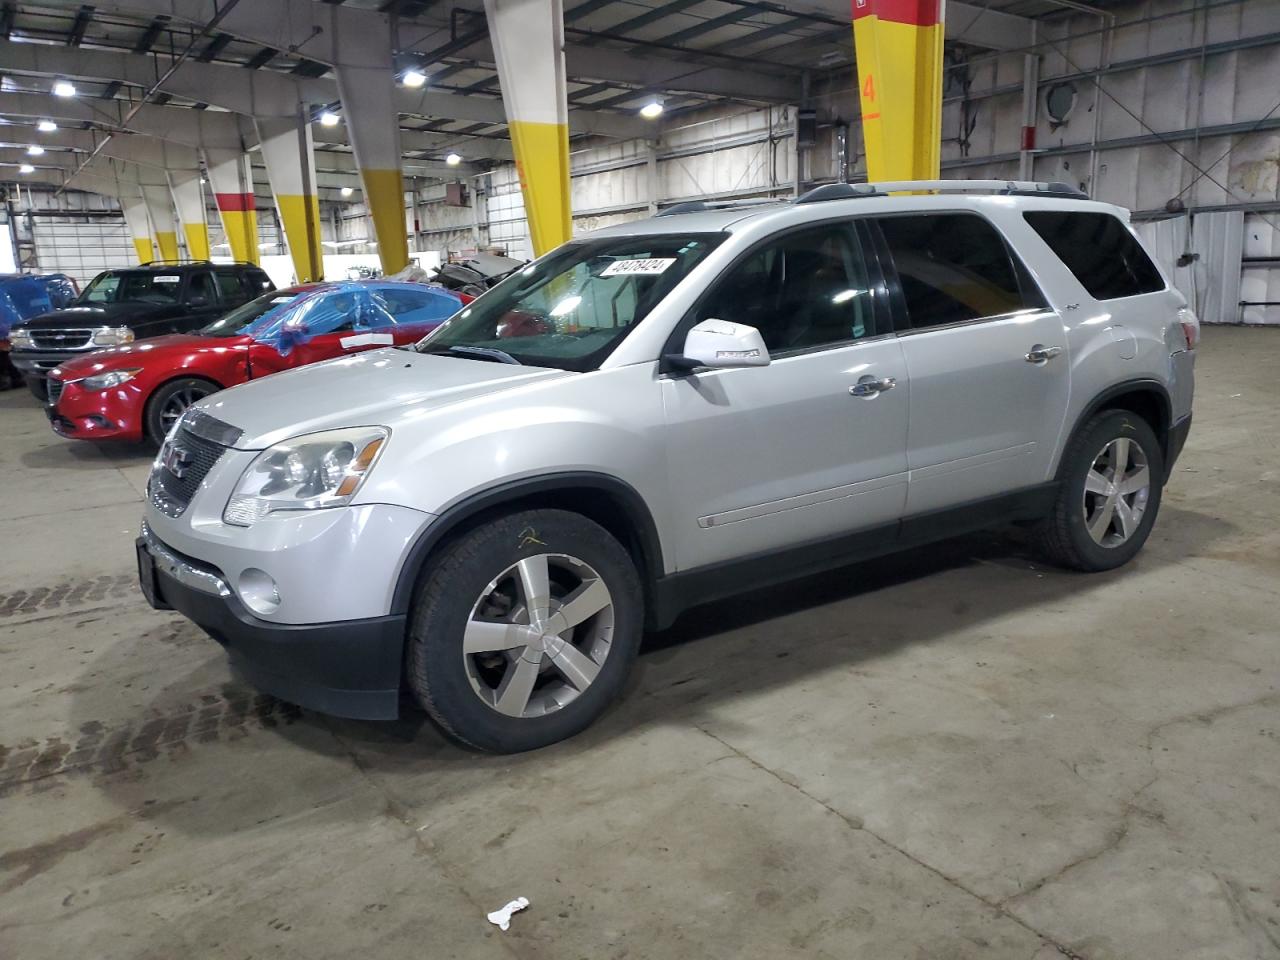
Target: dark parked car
[24,295]
[121,306]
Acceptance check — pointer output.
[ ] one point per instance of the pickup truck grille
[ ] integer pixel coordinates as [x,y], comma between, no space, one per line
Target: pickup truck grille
[179,470]
[73,339]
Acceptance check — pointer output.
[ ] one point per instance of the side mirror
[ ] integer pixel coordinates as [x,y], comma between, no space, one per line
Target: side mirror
[197,301]
[721,345]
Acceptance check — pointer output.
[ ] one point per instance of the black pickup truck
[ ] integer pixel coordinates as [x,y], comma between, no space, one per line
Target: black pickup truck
[121,306]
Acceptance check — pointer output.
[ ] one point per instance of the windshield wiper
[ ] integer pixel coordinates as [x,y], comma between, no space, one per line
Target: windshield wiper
[479,353]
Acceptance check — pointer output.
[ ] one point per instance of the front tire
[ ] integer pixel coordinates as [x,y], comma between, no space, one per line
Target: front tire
[39,388]
[523,630]
[170,402]
[1112,478]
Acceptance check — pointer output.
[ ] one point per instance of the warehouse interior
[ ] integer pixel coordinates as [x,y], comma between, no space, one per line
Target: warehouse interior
[956,751]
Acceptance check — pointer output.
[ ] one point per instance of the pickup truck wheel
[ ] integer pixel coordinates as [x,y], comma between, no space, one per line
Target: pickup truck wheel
[1111,481]
[523,630]
[170,402]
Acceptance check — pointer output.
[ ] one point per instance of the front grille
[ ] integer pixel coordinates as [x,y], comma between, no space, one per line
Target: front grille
[74,339]
[190,455]
[55,391]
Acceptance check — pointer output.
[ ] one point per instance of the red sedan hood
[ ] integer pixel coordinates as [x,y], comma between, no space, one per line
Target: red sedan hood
[166,351]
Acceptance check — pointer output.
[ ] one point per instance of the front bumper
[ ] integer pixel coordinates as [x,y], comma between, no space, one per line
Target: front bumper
[38,363]
[112,414]
[350,668]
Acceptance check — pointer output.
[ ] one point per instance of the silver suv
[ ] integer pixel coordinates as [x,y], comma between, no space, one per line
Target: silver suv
[663,413]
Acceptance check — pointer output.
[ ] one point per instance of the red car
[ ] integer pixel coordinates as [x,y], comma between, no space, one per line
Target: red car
[138,391]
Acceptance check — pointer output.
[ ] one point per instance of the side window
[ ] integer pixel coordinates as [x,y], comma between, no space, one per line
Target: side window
[414,306]
[954,267]
[336,313]
[1099,250]
[804,290]
[230,287]
[201,290]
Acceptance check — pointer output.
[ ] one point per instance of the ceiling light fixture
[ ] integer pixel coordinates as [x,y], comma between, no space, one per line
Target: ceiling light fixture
[35,150]
[652,110]
[413,79]
[347,191]
[329,119]
[46,126]
[26,168]
[64,88]
[453,159]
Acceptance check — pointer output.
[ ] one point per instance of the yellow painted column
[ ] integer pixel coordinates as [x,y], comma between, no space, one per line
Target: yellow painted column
[188,197]
[289,153]
[898,45]
[528,45]
[164,226]
[231,178]
[139,227]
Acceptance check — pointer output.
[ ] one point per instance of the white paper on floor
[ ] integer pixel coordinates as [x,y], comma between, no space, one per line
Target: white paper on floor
[503,917]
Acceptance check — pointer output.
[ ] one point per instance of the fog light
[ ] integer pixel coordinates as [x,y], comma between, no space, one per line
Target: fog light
[259,592]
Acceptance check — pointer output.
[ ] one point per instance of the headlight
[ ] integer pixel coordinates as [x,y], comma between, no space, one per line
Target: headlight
[20,340]
[306,473]
[112,336]
[112,378]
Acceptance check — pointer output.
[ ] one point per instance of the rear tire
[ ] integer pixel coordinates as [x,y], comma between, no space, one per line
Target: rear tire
[169,402]
[500,672]
[1112,477]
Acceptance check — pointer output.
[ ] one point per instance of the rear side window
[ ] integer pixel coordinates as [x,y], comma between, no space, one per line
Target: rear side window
[954,268]
[231,288]
[1099,249]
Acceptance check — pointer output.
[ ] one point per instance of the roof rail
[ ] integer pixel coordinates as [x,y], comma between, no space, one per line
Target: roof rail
[700,206]
[1008,188]
[175,262]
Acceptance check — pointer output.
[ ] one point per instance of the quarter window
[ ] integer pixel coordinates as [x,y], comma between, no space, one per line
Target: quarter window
[804,290]
[954,268]
[1099,250]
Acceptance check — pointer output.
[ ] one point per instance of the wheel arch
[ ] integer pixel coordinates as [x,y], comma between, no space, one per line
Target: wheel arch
[151,396]
[1148,399]
[603,498]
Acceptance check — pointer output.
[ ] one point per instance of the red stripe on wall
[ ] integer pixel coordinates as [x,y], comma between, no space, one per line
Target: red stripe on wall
[921,13]
[234,202]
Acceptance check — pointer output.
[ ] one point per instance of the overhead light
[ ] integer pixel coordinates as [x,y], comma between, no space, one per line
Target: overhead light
[413,79]
[347,191]
[329,119]
[26,168]
[652,110]
[35,150]
[64,88]
[203,181]
[453,159]
[46,126]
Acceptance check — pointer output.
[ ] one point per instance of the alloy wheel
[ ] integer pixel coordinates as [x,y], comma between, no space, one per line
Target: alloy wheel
[538,635]
[1117,489]
[177,405]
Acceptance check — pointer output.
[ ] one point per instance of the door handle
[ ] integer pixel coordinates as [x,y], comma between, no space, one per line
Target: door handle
[869,386]
[1042,354]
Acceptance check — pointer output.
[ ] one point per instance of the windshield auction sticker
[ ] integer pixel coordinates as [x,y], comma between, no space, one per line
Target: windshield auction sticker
[642,268]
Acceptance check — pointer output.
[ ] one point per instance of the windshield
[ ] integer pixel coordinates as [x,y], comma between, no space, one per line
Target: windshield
[149,287]
[244,319]
[571,308]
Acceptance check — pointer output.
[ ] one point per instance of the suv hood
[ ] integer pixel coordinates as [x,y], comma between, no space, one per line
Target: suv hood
[96,315]
[382,387]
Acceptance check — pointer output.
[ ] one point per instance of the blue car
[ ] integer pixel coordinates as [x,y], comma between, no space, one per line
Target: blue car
[23,296]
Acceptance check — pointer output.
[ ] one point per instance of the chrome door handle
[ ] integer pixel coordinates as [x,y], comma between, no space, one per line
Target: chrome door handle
[869,386]
[1042,354]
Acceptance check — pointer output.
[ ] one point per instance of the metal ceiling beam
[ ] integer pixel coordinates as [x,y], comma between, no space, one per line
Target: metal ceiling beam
[968,23]
[266,92]
[78,26]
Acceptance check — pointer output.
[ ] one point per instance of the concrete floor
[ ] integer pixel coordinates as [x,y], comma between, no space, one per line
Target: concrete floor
[952,753]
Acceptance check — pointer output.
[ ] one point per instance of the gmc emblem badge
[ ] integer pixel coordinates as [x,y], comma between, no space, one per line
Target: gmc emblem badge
[176,460]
